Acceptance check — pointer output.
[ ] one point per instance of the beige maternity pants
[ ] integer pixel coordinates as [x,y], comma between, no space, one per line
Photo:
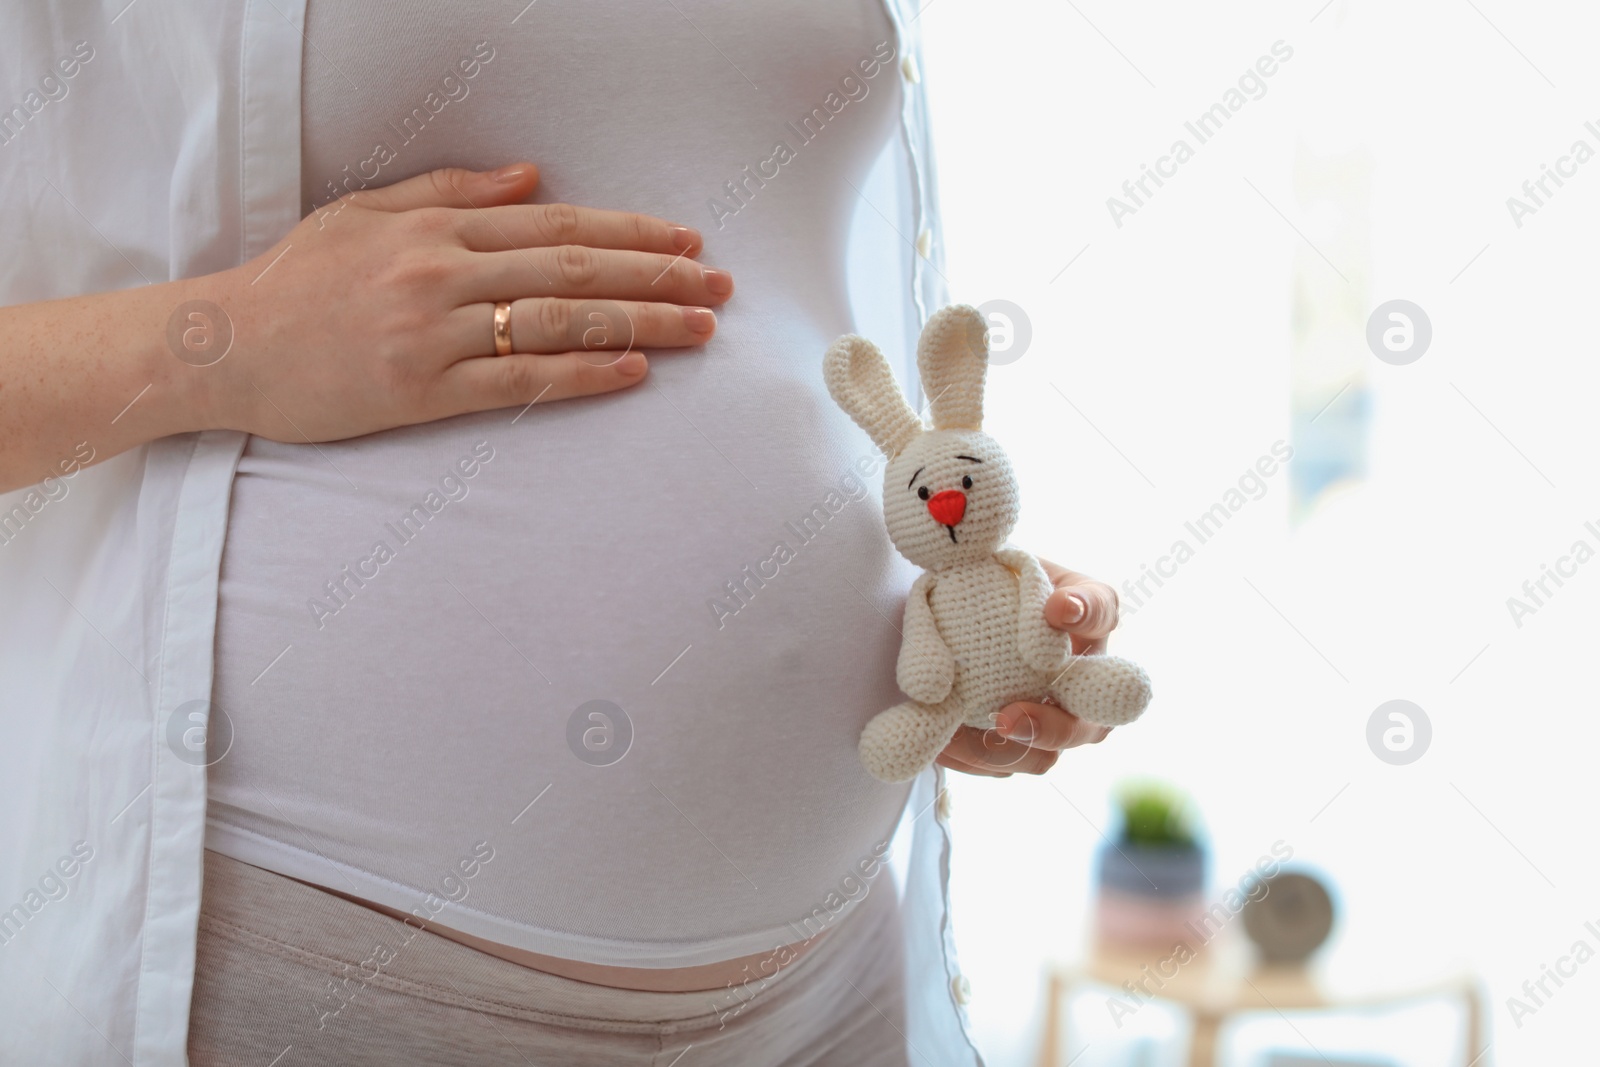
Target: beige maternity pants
[290,976]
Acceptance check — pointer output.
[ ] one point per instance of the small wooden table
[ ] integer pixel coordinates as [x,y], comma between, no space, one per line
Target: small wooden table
[1223,981]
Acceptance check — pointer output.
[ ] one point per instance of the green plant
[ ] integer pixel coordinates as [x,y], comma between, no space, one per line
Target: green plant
[1156,815]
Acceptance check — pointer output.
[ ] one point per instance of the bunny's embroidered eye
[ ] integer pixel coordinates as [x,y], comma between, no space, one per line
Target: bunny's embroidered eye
[923,493]
[966,482]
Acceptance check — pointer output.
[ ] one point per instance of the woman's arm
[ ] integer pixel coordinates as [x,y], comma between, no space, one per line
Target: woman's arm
[89,377]
[374,313]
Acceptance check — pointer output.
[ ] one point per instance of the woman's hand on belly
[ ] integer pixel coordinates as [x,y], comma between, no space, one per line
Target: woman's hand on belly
[1028,738]
[377,310]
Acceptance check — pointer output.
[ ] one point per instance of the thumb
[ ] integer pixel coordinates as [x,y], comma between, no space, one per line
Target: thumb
[455,187]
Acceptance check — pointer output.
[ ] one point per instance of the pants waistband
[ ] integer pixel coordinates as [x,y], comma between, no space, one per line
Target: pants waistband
[358,947]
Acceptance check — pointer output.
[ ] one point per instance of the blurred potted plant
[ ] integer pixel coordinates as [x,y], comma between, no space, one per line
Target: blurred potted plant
[1152,872]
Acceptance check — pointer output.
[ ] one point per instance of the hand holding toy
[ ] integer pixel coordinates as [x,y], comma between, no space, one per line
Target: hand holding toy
[975,634]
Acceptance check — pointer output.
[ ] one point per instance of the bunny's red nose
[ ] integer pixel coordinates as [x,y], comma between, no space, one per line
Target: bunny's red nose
[947,507]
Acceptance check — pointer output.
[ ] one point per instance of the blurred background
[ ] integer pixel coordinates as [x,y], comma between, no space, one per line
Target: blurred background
[1169,351]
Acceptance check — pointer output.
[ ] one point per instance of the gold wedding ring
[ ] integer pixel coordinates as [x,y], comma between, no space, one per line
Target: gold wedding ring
[502,328]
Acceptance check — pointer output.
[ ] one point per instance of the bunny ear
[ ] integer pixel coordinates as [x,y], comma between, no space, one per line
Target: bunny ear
[861,383]
[952,357]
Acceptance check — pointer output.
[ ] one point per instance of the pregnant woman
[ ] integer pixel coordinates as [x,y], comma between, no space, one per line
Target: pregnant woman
[492,697]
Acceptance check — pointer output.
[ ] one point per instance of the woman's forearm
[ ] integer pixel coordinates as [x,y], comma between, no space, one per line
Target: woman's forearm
[86,378]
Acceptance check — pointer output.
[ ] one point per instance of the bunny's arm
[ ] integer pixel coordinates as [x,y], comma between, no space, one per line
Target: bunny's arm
[926,669]
[1043,647]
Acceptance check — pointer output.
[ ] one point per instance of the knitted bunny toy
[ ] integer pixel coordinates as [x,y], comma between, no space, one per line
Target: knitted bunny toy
[975,635]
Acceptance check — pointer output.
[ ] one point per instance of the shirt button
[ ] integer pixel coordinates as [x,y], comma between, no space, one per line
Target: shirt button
[924,243]
[961,989]
[908,67]
[942,808]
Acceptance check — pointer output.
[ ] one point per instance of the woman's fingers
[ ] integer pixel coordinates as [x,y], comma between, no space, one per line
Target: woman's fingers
[452,187]
[1027,739]
[1047,726]
[490,382]
[500,229]
[548,326]
[580,272]
[987,750]
[1081,606]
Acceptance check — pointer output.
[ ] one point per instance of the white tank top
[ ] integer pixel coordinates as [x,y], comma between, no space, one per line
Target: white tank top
[434,643]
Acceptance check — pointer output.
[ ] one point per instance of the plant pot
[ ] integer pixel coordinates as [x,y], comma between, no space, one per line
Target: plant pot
[1149,894]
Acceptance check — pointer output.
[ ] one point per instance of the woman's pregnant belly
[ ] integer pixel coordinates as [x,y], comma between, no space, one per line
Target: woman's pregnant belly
[625,644]
[588,678]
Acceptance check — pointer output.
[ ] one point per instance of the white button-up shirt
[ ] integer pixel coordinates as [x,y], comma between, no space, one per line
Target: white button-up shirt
[143,142]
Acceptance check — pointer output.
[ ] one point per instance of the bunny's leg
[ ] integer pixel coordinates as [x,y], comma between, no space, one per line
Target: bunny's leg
[900,742]
[1105,690]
